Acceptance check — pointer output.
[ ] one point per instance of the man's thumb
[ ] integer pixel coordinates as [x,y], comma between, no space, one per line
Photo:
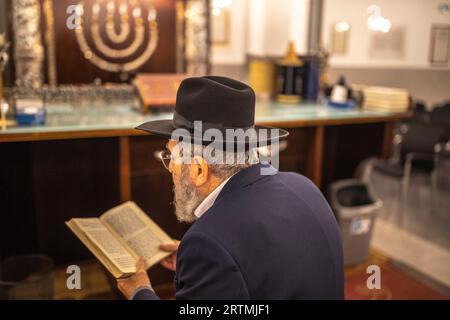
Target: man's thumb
[169,247]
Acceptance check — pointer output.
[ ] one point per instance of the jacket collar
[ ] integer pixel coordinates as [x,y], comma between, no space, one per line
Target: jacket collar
[245,177]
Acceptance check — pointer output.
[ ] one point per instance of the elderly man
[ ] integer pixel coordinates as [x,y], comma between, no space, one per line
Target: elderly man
[254,235]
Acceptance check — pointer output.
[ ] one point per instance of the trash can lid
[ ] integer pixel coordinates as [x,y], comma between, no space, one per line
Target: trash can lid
[354,196]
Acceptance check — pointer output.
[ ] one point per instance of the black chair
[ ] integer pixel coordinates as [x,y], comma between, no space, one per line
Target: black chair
[440,115]
[440,178]
[420,112]
[414,153]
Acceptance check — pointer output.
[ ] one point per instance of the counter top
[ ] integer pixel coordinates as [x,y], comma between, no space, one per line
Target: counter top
[73,122]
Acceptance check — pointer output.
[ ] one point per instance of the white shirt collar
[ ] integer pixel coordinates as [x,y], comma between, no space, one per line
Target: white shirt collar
[209,200]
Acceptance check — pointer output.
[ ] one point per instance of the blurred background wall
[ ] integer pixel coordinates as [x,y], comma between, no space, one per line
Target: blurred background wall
[408,65]
[262,28]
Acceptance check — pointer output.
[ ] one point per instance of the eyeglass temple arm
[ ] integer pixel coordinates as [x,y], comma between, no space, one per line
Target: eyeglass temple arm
[158,154]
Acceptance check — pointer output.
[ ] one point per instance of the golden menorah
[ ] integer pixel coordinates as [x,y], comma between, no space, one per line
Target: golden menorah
[131,14]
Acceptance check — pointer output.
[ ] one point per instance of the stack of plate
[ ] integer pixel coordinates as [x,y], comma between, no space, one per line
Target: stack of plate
[385,99]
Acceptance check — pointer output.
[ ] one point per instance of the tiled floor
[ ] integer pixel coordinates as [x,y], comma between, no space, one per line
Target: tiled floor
[423,256]
[422,214]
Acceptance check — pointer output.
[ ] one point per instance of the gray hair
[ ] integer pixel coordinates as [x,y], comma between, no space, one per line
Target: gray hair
[223,164]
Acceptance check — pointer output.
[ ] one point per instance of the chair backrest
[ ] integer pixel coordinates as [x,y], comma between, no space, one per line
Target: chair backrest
[442,164]
[419,108]
[440,115]
[420,138]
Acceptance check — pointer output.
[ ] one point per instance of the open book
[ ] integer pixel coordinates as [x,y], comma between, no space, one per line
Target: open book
[120,237]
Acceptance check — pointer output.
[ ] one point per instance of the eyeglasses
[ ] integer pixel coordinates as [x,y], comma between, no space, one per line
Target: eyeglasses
[165,156]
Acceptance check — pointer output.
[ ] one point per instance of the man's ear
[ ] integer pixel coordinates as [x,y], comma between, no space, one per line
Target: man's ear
[199,171]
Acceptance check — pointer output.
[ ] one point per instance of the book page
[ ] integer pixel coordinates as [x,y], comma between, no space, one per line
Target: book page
[96,232]
[138,231]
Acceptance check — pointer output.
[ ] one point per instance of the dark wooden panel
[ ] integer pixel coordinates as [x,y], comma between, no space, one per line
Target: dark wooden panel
[294,158]
[346,146]
[77,178]
[17,215]
[315,155]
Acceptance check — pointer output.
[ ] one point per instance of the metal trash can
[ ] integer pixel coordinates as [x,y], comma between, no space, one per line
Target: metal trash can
[27,277]
[356,210]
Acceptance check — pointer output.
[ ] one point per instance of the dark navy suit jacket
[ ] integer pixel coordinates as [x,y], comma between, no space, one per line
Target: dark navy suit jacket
[265,237]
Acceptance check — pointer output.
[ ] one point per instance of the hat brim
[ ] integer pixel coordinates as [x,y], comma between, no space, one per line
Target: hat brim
[165,128]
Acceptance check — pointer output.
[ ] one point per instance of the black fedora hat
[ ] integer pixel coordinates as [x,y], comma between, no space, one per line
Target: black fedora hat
[217,103]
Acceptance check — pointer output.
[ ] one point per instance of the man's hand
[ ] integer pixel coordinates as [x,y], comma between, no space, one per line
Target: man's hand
[171,261]
[138,280]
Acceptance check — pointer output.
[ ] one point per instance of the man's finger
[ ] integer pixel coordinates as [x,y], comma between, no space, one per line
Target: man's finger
[120,284]
[168,259]
[141,265]
[169,247]
[166,264]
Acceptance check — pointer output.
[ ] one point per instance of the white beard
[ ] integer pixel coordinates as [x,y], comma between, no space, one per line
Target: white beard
[187,198]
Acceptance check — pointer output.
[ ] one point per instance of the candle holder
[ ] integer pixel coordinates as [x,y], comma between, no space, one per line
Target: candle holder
[132,14]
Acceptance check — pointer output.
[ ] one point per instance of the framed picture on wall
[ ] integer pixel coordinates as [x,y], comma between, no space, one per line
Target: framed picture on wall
[387,45]
[339,37]
[440,44]
[220,28]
